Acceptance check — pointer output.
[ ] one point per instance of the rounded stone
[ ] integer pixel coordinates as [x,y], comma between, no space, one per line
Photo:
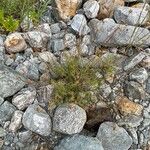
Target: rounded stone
[69,119]
[79,142]
[114,137]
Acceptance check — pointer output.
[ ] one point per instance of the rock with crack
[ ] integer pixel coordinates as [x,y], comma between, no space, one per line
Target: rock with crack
[69,119]
[24,98]
[37,120]
[114,137]
[10,81]
[109,33]
[15,43]
[79,142]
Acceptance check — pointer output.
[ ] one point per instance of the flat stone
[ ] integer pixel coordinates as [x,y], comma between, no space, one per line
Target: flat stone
[16,119]
[133,61]
[67,8]
[109,33]
[10,81]
[126,106]
[24,98]
[140,75]
[37,120]
[69,119]
[79,142]
[91,8]
[15,43]
[36,39]
[6,111]
[79,24]
[114,137]
[130,15]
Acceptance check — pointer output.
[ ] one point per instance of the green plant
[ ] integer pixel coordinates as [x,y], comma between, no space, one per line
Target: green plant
[8,23]
[75,82]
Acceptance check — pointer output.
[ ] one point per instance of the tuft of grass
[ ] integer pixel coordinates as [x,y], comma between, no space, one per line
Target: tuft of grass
[14,11]
[75,82]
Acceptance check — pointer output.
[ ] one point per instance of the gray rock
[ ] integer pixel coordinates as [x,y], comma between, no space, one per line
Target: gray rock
[79,142]
[105,90]
[24,98]
[139,75]
[6,111]
[15,43]
[58,45]
[130,15]
[36,39]
[70,40]
[134,90]
[69,119]
[29,69]
[1,100]
[43,67]
[8,61]
[10,81]
[16,119]
[113,137]
[148,86]
[79,24]
[133,61]
[91,8]
[108,33]
[2,50]
[37,120]
[55,28]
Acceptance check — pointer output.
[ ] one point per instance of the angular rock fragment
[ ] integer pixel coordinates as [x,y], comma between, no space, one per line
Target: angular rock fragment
[108,33]
[10,81]
[126,106]
[69,119]
[37,120]
[113,137]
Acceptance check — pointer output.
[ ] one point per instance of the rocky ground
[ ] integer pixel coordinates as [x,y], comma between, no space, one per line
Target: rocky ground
[110,27]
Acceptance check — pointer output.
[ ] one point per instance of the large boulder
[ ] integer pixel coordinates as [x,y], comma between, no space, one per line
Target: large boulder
[113,137]
[37,120]
[69,119]
[10,81]
[79,142]
[108,33]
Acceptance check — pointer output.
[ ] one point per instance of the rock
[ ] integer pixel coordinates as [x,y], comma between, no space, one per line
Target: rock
[1,100]
[91,8]
[79,142]
[134,90]
[148,86]
[139,75]
[79,24]
[55,28]
[2,133]
[146,62]
[69,119]
[16,119]
[105,90]
[6,111]
[15,43]
[107,7]
[29,69]
[133,61]
[24,98]
[2,50]
[131,16]
[69,40]
[67,8]
[37,120]
[36,39]
[126,106]
[113,137]
[58,45]
[108,33]
[11,81]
